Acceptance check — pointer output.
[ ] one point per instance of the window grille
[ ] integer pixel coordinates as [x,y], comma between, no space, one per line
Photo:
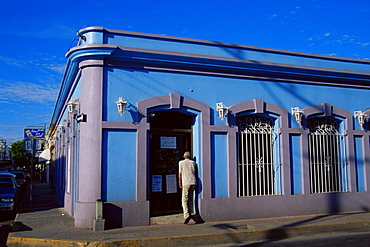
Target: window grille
[328,164]
[259,167]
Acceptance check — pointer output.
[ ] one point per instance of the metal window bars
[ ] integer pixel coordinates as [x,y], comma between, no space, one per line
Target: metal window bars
[259,166]
[327,154]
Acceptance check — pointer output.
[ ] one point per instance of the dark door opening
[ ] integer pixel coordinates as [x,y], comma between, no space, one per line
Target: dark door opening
[170,137]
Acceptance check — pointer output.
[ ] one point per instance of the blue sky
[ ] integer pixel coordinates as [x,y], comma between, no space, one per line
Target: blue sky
[35,35]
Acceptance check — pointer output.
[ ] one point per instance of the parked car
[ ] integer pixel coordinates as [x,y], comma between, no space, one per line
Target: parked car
[20,177]
[8,191]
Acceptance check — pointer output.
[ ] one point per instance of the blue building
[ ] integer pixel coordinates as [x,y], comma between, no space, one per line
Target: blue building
[274,133]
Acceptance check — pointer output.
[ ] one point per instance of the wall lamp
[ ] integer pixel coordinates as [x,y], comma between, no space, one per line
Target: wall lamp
[222,110]
[72,105]
[121,105]
[360,115]
[60,128]
[298,113]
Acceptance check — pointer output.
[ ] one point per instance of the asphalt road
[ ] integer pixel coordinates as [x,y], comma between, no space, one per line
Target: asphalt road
[321,240]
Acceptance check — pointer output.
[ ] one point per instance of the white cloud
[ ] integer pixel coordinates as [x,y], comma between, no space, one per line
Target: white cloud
[15,62]
[24,63]
[30,92]
[272,16]
[57,67]
[364,44]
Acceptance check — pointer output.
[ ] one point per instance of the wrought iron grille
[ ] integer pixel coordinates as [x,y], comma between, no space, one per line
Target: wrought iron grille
[259,167]
[328,162]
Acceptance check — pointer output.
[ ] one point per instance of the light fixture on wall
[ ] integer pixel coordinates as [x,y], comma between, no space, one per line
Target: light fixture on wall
[121,105]
[298,113]
[72,105]
[222,110]
[61,128]
[360,115]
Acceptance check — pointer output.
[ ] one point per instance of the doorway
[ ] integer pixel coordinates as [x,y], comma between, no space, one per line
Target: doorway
[170,136]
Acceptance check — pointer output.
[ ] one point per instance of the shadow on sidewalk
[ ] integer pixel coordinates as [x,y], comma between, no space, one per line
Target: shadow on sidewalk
[39,197]
[280,233]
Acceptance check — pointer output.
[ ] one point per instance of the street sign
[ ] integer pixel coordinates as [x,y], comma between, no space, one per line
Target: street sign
[32,144]
[37,133]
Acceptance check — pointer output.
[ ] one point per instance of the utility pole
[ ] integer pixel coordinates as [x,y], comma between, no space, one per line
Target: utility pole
[32,144]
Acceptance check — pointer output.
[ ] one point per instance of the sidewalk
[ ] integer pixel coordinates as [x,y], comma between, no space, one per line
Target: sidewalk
[53,227]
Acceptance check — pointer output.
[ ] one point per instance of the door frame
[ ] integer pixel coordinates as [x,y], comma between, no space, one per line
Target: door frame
[188,132]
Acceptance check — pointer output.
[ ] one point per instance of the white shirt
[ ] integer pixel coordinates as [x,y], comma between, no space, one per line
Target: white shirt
[187,169]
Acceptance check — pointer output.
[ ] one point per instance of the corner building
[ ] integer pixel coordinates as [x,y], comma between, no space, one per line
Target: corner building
[274,133]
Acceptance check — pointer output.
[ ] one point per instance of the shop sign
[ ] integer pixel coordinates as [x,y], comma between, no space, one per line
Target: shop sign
[37,133]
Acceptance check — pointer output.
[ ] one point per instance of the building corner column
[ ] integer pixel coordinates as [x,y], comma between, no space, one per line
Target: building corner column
[90,142]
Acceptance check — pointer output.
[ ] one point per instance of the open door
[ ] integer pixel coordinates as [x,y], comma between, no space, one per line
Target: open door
[170,137]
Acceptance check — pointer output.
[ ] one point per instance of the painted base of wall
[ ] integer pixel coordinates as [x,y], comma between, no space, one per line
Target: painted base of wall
[121,214]
[85,214]
[223,209]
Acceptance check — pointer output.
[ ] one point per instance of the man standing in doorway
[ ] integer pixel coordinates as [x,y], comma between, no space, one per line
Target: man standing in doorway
[188,183]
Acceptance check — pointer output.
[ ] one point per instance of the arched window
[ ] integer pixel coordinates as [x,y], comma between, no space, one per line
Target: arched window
[259,166]
[327,150]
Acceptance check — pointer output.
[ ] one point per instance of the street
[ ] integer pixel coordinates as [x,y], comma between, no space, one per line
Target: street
[320,240]
[38,222]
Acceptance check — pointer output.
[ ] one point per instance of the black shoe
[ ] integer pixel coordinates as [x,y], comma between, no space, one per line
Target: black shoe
[197,219]
[187,220]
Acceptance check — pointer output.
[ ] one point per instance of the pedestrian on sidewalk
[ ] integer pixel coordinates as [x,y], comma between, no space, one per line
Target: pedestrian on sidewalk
[188,183]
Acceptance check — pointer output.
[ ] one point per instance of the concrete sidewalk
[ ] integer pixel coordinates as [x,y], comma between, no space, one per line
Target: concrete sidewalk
[53,227]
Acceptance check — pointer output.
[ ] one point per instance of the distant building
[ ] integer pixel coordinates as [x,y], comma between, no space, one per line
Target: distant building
[230,106]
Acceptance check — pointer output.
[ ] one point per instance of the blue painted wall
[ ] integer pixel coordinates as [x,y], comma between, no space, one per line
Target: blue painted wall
[360,166]
[138,85]
[219,49]
[219,165]
[119,165]
[296,165]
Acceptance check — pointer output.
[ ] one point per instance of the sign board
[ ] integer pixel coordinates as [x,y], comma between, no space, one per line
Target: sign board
[171,183]
[168,142]
[32,144]
[157,183]
[37,133]
[81,118]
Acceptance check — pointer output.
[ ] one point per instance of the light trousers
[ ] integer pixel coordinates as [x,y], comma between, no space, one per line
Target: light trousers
[188,200]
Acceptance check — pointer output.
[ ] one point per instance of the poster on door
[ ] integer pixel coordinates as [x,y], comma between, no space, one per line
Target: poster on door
[171,183]
[168,142]
[157,183]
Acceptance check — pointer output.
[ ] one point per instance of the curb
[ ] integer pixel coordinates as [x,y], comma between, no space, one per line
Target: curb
[15,241]
[203,239]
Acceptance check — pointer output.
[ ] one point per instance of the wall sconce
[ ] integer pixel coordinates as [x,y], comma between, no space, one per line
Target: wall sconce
[360,115]
[121,105]
[72,105]
[222,110]
[298,113]
[60,128]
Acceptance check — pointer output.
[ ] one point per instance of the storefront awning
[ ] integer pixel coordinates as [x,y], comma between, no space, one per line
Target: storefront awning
[45,155]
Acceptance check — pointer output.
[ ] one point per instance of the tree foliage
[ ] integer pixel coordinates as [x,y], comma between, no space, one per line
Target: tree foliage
[20,156]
